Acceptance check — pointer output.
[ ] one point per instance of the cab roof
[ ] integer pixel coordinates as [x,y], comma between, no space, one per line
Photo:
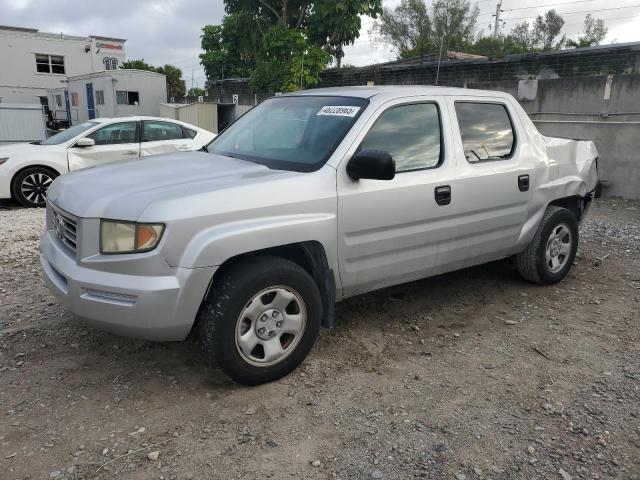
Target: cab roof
[398,91]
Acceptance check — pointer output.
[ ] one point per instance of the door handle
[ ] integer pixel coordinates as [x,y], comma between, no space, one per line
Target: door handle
[130,152]
[523,183]
[443,195]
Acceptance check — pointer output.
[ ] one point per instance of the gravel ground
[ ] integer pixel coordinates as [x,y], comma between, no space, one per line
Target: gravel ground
[474,374]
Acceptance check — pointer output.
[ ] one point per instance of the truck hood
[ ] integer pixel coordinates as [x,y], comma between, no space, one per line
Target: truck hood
[122,190]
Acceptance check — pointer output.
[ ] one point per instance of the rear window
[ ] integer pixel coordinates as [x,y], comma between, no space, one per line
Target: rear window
[486,130]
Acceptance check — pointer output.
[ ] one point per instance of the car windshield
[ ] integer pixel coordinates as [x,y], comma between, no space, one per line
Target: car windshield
[296,133]
[68,134]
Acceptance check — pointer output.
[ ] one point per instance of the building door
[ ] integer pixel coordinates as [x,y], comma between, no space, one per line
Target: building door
[46,113]
[90,104]
[67,106]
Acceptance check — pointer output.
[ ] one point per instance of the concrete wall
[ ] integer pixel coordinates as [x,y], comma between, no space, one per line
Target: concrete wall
[604,109]
[19,80]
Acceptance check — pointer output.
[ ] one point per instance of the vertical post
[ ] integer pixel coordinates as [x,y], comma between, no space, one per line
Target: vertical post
[302,70]
[439,59]
[496,26]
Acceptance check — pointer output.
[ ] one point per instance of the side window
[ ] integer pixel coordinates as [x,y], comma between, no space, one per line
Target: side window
[188,133]
[116,133]
[410,134]
[154,131]
[486,129]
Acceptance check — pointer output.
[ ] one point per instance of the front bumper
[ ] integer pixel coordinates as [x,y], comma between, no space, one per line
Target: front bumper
[158,308]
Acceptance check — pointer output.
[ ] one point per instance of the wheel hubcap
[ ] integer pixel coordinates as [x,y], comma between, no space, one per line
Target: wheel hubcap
[558,248]
[270,326]
[34,187]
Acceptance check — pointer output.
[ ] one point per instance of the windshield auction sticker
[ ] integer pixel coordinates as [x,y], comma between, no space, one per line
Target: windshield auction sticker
[339,111]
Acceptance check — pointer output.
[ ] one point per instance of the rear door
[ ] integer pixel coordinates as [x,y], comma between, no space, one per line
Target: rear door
[164,137]
[113,142]
[393,231]
[494,168]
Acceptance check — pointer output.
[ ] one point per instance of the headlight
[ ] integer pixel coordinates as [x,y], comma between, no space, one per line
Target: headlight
[3,159]
[129,237]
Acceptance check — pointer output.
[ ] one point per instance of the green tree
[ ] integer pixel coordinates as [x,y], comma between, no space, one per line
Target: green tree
[540,36]
[138,65]
[281,44]
[546,29]
[493,47]
[594,32]
[197,92]
[414,29]
[175,83]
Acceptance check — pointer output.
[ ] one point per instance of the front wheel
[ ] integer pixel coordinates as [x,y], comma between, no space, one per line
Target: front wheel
[260,320]
[30,186]
[549,256]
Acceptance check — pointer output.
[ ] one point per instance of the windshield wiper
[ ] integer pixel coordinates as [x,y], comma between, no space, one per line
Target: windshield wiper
[204,149]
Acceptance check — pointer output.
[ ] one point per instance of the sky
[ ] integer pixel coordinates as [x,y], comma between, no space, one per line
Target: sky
[168,31]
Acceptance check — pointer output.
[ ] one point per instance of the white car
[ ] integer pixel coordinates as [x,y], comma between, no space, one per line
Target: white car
[27,169]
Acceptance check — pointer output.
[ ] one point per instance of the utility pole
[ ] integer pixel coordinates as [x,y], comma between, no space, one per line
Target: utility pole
[496,26]
[192,81]
[439,59]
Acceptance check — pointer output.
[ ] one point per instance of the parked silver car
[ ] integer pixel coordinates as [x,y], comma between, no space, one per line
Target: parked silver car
[308,199]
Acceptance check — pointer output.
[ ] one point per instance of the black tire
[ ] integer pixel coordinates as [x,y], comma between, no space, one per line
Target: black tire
[532,263]
[30,186]
[232,292]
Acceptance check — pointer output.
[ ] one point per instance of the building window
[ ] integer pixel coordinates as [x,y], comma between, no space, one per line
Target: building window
[49,63]
[59,100]
[127,98]
[110,63]
[99,97]
[486,130]
[74,99]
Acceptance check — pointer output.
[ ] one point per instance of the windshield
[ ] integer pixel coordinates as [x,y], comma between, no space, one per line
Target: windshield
[290,133]
[69,133]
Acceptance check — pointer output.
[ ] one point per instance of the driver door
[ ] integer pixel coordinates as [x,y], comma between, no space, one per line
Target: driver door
[394,231]
[113,142]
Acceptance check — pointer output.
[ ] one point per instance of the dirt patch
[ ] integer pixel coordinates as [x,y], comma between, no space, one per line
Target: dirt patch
[474,374]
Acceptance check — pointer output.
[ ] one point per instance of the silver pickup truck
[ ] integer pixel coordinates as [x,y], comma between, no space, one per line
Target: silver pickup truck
[308,199]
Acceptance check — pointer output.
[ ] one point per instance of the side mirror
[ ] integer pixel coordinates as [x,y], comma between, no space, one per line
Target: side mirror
[371,164]
[85,142]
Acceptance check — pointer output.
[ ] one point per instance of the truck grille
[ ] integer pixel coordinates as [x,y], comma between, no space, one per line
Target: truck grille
[65,229]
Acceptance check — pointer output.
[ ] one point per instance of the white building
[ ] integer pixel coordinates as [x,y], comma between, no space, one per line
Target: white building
[34,62]
[115,93]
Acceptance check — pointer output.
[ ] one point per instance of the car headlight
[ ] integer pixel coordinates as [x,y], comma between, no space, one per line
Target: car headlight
[129,237]
[3,159]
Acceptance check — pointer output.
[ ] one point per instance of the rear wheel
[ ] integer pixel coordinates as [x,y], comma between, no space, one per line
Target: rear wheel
[549,256]
[260,320]
[30,186]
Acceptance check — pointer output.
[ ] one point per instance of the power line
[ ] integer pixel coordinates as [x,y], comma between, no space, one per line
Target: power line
[581,11]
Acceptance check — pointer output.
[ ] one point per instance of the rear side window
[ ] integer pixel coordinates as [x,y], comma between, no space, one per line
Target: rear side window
[188,133]
[486,129]
[410,134]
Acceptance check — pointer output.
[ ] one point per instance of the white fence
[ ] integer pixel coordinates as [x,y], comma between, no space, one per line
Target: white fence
[21,122]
